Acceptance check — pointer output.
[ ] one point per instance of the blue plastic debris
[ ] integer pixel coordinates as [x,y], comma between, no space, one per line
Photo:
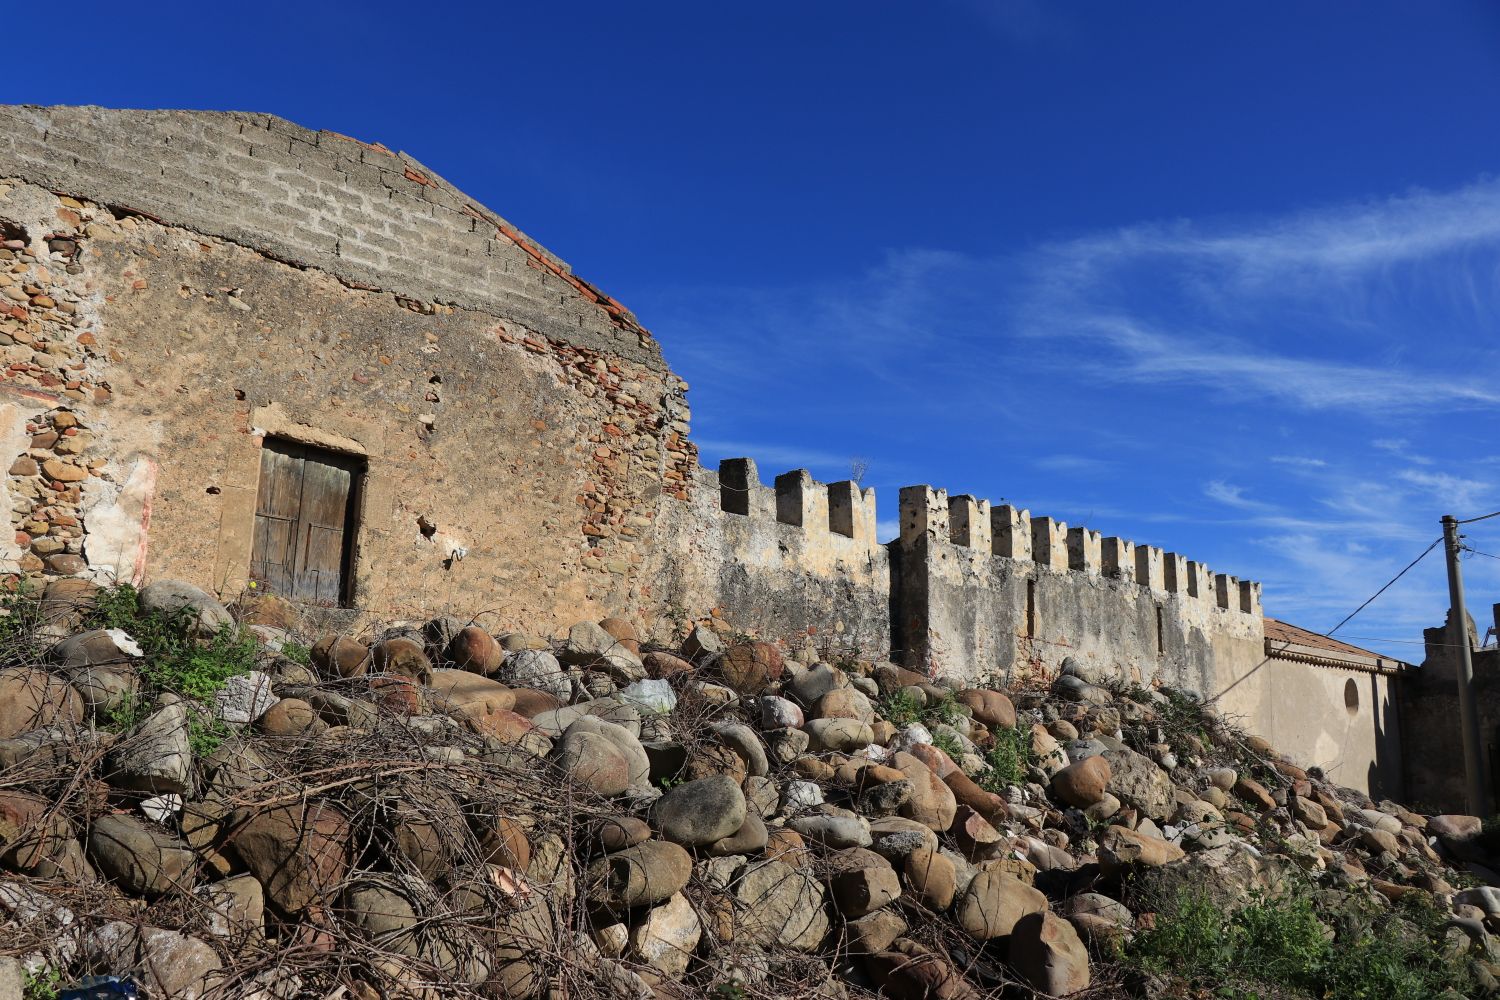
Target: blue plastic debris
[100,988]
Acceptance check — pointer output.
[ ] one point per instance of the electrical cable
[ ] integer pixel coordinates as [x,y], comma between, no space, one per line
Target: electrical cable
[1481,517]
[1435,543]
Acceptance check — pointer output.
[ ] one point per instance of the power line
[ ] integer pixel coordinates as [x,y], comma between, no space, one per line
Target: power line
[1473,551]
[1481,517]
[1435,543]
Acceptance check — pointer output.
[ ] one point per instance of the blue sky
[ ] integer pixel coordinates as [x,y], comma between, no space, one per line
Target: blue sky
[1223,278]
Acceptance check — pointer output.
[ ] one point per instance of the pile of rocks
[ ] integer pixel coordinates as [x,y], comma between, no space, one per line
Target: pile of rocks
[441,811]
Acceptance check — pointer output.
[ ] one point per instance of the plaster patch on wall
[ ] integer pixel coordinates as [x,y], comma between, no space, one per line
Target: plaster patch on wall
[119,522]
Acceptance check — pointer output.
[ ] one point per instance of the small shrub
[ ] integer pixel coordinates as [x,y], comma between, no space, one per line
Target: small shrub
[901,708]
[945,710]
[1282,943]
[1008,759]
[297,653]
[948,745]
[42,985]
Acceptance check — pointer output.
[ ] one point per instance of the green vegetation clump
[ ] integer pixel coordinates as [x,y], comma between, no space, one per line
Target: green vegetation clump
[1008,760]
[175,660]
[1282,947]
[949,745]
[901,708]
[297,652]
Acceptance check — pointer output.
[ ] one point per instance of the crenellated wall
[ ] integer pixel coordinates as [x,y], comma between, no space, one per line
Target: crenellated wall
[987,591]
[796,562]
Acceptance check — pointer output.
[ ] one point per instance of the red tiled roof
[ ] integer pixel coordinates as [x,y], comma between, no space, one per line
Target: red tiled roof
[1280,635]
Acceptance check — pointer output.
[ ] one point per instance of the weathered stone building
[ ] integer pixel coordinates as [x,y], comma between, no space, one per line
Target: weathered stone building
[243,352]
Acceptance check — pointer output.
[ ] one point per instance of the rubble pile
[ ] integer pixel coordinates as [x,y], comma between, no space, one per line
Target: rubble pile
[234,802]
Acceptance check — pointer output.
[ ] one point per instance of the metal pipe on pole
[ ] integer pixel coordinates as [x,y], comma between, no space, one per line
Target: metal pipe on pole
[1477,785]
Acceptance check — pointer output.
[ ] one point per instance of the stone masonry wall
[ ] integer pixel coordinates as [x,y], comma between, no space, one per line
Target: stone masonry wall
[984,592]
[797,563]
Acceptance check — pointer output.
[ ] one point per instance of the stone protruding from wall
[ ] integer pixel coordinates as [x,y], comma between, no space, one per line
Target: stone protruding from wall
[1174,573]
[969,522]
[1250,598]
[1200,581]
[1010,530]
[1118,559]
[851,511]
[924,514]
[1150,568]
[1049,543]
[800,500]
[739,482]
[1085,551]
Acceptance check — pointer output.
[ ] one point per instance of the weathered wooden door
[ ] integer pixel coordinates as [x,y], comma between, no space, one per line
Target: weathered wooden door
[304,523]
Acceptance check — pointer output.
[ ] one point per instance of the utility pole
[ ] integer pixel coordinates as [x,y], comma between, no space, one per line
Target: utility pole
[1477,785]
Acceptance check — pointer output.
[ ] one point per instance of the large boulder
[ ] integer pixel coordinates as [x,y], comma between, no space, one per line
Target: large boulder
[167,963]
[666,938]
[298,852]
[781,906]
[1047,952]
[338,656]
[145,861]
[931,803]
[994,902]
[386,911]
[539,670]
[179,597]
[401,657]
[158,756]
[643,875]
[592,647]
[32,698]
[1137,781]
[990,707]
[475,650]
[592,761]
[32,831]
[750,666]
[697,813]
[1084,783]
[1120,847]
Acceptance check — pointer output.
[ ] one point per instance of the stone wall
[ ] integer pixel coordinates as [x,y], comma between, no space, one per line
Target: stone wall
[797,563]
[1428,702]
[519,430]
[991,592]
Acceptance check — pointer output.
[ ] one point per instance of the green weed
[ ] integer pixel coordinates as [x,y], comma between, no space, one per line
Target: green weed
[1284,944]
[1008,759]
[901,708]
[297,653]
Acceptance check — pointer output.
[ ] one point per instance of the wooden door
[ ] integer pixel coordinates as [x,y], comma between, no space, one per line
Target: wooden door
[304,523]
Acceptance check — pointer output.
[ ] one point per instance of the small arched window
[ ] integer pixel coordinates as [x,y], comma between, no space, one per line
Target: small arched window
[1351,697]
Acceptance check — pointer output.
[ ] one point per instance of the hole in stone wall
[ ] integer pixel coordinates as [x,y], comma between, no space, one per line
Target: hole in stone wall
[426,527]
[1031,608]
[1351,697]
[1161,632]
[11,231]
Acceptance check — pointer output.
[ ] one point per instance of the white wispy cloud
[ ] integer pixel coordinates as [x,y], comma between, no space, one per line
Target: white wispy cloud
[773,459]
[1231,495]
[1300,461]
[1453,492]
